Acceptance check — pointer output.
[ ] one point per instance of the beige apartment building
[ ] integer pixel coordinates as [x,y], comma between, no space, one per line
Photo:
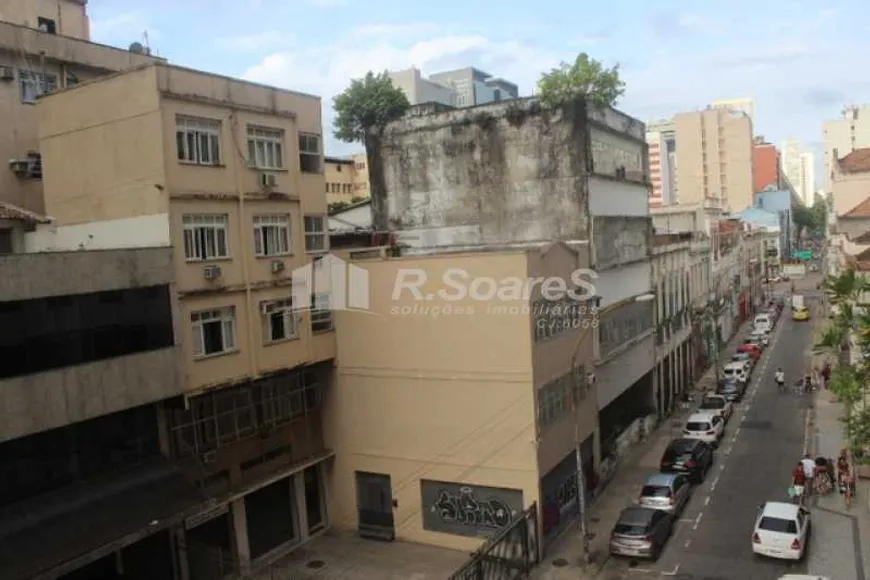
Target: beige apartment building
[473,395]
[714,156]
[361,187]
[850,180]
[230,175]
[44,46]
[339,176]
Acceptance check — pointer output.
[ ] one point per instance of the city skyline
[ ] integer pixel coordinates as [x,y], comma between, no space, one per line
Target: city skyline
[699,57]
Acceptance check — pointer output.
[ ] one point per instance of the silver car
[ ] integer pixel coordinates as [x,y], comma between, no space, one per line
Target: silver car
[668,492]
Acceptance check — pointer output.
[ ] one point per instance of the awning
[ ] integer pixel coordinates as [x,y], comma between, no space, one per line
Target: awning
[67,527]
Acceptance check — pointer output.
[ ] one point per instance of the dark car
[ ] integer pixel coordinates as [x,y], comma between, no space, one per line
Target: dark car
[689,456]
[732,390]
[641,532]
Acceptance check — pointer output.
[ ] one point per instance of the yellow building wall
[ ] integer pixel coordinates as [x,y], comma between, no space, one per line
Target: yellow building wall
[426,393]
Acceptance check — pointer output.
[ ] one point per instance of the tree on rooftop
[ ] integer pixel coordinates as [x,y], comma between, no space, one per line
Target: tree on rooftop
[367,104]
[585,77]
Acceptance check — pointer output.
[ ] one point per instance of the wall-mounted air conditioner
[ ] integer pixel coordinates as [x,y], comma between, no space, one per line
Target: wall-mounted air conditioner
[277,266]
[7,73]
[211,272]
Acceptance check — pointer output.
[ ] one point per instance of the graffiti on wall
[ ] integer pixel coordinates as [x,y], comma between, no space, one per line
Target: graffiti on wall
[468,510]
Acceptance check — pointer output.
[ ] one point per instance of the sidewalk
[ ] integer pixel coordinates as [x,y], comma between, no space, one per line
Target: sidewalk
[564,556]
[837,551]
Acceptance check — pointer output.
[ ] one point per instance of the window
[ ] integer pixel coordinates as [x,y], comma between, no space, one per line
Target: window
[214,331]
[32,84]
[309,153]
[321,314]
[272,235]
[205,237]
[266,148]
[71,80]
[279,321]
[315,233]
[198,140]
[46,25]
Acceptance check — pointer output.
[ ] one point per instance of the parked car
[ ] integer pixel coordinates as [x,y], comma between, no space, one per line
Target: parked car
[762,338]
[707,426]
[718,403]
[735,370]
[691,457]
[781,531]
[668,492]
[745,359]
[754,340]
[731,390]
[641,532]
[763,321]
[751,349]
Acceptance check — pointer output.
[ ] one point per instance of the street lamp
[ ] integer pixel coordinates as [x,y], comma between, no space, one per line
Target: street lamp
[578,442]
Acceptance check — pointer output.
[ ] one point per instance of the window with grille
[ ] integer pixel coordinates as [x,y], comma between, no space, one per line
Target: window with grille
[266,148]
[33,85]
[214,331]
[321,312]
[315,233]
[309,153]
[279,321]
[205,237]
[272,235]
[198,140]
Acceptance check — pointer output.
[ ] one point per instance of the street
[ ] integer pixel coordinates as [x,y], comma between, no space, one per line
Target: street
[763,441]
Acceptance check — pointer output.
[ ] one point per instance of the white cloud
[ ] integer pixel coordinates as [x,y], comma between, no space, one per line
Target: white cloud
[327,71]
[254,42]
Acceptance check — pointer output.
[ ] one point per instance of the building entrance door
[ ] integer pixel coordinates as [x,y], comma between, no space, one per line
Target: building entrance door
[374,500]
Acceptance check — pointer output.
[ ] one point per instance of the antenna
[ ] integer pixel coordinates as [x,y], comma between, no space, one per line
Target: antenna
[145,42]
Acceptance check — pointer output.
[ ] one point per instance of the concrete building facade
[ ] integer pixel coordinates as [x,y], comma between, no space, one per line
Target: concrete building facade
[799,167]
[765,165]
[338,174]
[745,106]
[850,180]
[494,423]
[464,87]
[229,175]
[662,157]
[44,46]
[844,135]
[714,157]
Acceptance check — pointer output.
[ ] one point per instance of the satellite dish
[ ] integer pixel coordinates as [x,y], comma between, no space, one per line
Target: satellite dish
[137,48]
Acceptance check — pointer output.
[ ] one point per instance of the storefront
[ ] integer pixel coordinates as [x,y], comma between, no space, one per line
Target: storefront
[559,505]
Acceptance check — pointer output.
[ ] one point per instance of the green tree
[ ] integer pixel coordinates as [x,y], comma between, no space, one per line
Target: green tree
[357,199]
[802,218]
[336,206]
[585,77]
[819,212]
[367,104]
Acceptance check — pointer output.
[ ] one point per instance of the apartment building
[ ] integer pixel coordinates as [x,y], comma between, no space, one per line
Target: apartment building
[465,87]
[361,176]
[799,167]
[44,46]
[744,105]
[339,176]
[766,166]
[661,168]
[90,357]
[472,425]
[682,269]
[714,156]
[844,135]
[230,176]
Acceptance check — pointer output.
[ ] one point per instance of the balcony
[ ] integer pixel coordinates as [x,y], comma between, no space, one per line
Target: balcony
[42,401]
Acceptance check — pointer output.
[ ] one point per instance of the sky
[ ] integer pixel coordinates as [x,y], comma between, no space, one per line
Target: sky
[801,60]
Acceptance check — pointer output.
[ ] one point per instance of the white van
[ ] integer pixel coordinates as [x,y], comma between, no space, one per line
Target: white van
[763,323]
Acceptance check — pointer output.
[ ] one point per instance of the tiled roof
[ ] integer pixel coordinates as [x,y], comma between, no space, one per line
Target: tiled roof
[863,256]
[856,161]
[13,212]
[862,210]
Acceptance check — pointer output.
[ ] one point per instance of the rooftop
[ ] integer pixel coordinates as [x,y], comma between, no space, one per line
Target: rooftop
[862,210]
[13,212]
[856,161]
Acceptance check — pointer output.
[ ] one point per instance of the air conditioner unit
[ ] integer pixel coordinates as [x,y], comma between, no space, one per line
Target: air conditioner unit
[277,266]
[212,272]
[268,180]
[7,73]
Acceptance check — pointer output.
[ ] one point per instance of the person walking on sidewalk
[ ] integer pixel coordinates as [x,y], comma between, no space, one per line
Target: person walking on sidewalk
[826,374]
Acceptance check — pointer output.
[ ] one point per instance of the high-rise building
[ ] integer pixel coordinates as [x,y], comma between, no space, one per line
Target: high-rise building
[464,87]
[714,157]
[845,135]
[765,165]
[798,166]
[745,105]
[661,139]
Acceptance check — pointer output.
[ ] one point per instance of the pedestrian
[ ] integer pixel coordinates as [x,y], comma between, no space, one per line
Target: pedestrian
[809,466]
[826,374]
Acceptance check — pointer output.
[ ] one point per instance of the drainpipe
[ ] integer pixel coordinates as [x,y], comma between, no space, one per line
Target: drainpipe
[235,167]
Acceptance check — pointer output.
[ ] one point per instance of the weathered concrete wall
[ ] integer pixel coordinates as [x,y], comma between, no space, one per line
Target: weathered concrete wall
[615,376]
[24,276]
[491,175]
[610,196]
[618,284]
[620,240]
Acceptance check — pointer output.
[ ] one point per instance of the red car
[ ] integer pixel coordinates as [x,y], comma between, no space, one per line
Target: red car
[751,349]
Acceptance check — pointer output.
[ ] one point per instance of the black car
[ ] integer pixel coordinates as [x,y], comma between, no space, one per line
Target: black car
[690,456]
[733,390]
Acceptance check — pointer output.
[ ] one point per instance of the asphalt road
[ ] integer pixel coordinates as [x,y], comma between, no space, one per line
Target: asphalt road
[764,440]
